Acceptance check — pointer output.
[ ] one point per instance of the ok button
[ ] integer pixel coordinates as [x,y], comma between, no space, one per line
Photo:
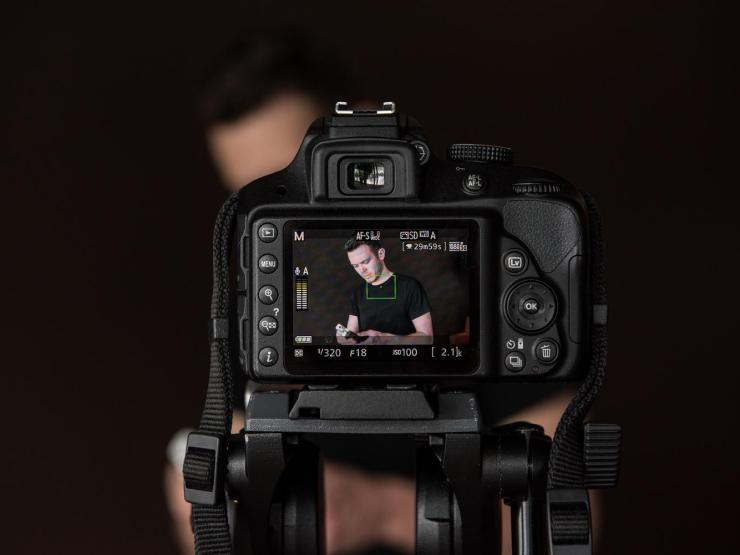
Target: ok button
[267,325]
[531,305]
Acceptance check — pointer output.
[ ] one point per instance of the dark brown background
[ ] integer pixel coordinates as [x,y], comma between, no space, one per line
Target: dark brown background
[108,199]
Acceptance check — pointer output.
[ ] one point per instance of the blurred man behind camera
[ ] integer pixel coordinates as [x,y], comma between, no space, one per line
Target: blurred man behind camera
[258,101]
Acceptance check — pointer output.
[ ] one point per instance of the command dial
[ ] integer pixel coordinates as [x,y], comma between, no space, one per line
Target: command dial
[480,153]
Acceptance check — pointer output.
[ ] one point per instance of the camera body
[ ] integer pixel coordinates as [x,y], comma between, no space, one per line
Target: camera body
[368,260]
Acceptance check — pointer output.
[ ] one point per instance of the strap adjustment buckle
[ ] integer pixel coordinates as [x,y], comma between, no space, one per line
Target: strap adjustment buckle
[204,483]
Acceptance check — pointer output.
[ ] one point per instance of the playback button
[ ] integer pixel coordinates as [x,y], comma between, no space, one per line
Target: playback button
[267,233]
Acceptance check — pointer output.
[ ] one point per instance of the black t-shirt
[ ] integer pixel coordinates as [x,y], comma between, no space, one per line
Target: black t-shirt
[391,306]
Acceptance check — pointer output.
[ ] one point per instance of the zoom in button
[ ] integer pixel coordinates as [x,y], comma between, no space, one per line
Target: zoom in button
[267,294]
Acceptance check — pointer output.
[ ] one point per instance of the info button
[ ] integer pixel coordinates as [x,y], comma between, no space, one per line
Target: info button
[268,356]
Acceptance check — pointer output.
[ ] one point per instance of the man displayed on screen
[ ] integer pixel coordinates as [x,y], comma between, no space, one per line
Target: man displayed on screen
[387,307]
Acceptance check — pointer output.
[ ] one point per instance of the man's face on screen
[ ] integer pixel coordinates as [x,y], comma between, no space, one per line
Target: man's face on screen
[367,262]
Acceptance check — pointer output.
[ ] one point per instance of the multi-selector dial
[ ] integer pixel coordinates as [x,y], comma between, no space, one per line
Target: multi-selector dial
[531,306]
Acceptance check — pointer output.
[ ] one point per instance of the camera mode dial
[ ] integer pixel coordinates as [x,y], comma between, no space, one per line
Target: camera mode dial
[464,152]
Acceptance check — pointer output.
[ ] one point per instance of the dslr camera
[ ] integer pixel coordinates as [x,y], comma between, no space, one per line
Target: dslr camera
[387,282]
[469,268]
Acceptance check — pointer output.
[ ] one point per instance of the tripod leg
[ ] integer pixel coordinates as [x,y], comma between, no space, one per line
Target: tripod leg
[300,522]
[461,460]
[263,463]
[514,467]
[435,522]
[524,526]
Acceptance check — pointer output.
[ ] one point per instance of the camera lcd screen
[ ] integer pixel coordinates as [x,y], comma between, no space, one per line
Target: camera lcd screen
[389,297]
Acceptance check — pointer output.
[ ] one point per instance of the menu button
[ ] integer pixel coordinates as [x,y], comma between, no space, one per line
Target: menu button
[267,263]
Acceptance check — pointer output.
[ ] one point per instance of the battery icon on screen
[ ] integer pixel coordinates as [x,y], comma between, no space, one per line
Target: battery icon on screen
[301,293]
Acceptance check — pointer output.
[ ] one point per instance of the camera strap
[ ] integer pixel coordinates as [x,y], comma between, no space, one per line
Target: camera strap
[205,458]
[583,457]
[566,467]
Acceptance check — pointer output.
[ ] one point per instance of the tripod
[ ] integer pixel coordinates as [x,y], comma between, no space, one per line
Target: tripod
[462,469]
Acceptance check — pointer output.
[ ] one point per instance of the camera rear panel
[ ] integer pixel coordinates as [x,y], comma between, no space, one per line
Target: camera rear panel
[470,268]
[503,306]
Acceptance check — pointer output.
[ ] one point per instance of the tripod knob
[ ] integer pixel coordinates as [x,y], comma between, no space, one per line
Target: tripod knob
[601,446]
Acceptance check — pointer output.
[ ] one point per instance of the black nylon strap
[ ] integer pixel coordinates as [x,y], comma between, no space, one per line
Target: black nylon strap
[566,464]
[211,527]
[210,522]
